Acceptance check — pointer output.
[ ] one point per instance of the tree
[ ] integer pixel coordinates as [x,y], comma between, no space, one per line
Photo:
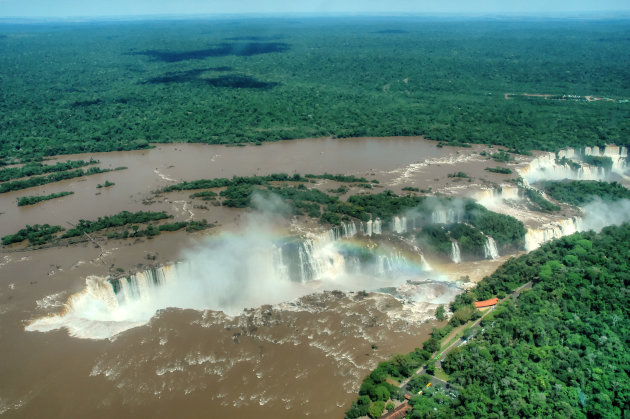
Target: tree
[376,409]
[440,313]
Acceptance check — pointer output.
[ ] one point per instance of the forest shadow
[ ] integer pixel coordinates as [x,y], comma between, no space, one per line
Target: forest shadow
[222,50]
[183,76]
[236,81]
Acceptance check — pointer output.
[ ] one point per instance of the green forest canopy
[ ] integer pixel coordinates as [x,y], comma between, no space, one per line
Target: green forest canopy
[559,350]
[118,85]
[581,192]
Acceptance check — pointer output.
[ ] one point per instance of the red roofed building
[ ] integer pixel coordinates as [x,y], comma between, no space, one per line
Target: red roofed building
[400,412]
[487,303]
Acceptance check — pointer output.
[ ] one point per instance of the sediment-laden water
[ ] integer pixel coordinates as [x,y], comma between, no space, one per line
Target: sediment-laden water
[241,321]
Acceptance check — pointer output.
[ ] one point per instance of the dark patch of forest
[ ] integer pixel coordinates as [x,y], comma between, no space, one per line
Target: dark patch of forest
[223,50]
[73,89]
[582,192]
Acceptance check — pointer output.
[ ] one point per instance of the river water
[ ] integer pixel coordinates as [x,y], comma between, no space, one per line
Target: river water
[305,356]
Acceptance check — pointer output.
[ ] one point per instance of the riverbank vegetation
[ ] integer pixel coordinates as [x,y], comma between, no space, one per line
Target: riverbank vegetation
[582,192]
[469,223]
[31,200]
[30,182]
[33,169]
[538,201]
[498,169]
[122,225]
[558,349]
[220,82]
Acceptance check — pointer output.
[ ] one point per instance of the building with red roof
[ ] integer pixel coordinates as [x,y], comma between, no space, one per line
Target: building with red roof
[486,303]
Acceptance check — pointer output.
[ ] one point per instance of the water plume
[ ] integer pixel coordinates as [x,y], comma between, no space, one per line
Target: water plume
[233,271]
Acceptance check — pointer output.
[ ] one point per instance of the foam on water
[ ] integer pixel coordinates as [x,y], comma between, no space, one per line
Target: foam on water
[234,272]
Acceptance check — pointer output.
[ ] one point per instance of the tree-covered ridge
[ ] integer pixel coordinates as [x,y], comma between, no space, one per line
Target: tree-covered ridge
[120,223]
[558,350]
[475,221]
[581,192]
[32,169]
[539,203]
[475,224]
[31,200]
[450,81]
[30,182]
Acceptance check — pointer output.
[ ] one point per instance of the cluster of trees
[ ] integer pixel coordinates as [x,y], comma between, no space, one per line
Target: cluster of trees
[459,174]
[16,185]
[36,235]
[444,81]
[504,229]
[30,182]
[42,234]
[153,230]
[599,161]
[559,349]
[107,184]
[581,192]
[475,223]
[32,169]
[539,202]
[498,169]
[235,181]
[340,178]
[118,220]
[501,156]
[30,200]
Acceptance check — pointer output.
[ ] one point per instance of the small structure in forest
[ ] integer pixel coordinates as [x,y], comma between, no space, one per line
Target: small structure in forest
[486,303]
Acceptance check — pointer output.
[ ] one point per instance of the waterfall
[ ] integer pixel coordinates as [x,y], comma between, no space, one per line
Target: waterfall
[535,237]
[400,225]
[349,229]
[490,248]
[230,273]
[548,167]
[376,227]
[368,228]
[444,216]
[510,192]
[456,255]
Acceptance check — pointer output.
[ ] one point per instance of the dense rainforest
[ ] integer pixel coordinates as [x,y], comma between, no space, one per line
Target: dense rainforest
[558,350]
[103,86]
[581,192]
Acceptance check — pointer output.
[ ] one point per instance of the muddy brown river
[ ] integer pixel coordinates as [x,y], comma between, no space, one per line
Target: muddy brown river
[305,356]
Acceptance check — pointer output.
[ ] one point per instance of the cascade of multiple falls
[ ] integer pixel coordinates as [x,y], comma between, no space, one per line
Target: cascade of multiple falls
[400,225]
[346,230]
[456,255]
[490,248]
[370,227]
[445,216]
[548,167]
[491,197]
[232,273]
[537,236]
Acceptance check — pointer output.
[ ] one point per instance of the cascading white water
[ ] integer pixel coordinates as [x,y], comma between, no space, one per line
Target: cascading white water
[349,229]
[368,228]
[456,255]
[232,273]
[490,249]
[535,237]
[445,216]
[376,226]
[400,225]
[548,167]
